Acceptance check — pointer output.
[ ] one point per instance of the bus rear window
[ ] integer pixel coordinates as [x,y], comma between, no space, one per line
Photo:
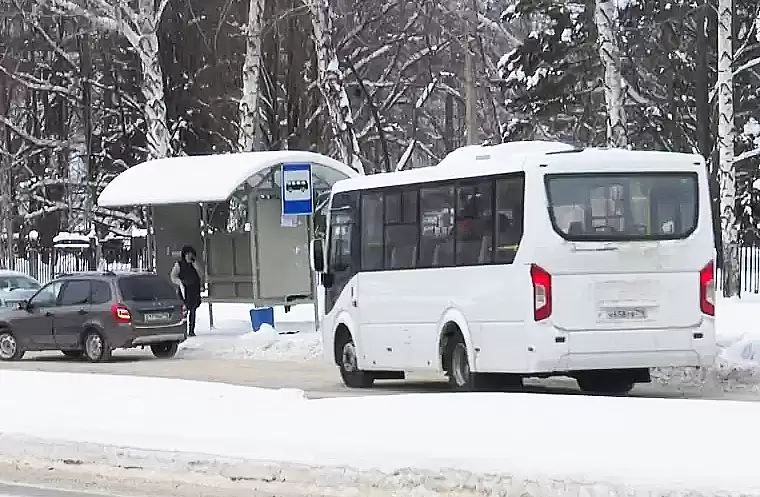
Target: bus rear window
[628,207]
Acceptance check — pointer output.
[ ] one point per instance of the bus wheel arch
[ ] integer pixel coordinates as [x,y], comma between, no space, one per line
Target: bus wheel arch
[342,333]
[453,326]
[346,357]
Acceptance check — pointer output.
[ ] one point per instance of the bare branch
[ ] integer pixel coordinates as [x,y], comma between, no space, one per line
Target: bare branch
[40,142]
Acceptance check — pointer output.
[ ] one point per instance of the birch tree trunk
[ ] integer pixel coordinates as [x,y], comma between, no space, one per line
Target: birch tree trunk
[140,28]
[152,86]
[249,134]
[606,16]
[6,195]
[331,85]
[726,139]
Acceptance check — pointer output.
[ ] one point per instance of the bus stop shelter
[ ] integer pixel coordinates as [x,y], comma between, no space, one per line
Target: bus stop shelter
[265,264]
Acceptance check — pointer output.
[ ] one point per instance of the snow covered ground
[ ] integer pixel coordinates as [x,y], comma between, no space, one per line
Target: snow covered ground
[294,339]
[455,444]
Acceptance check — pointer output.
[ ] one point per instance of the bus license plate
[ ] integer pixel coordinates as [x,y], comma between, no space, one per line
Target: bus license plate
[625,314]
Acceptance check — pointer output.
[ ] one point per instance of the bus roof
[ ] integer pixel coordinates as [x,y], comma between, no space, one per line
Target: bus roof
[474,161]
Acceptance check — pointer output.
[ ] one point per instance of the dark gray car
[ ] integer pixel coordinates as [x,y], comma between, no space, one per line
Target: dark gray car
[90,314]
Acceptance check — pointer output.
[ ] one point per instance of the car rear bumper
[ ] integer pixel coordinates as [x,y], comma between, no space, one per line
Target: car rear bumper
[137,336]
[153,339]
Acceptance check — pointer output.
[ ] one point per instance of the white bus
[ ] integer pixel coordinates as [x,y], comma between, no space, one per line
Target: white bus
[501,263]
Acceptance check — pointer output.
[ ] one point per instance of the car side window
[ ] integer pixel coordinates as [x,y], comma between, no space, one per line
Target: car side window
[76,292]
[100,292]
[48,295]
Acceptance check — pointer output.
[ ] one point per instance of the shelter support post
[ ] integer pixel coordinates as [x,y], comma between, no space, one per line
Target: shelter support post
[312,274]
[150,238]
[205,234]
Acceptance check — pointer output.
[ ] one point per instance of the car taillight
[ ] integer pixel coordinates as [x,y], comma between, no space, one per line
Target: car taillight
[184,312]
[707,289]
[542,292]
[121,314]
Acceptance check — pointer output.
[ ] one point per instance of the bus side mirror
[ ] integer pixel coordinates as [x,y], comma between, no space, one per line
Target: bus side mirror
[317,254]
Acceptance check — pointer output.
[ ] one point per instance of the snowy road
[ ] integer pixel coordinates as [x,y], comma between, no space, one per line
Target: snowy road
[318,379]
[27,491]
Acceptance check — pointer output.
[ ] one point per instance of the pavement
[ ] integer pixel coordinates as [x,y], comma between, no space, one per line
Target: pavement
[319,379]
[7,490]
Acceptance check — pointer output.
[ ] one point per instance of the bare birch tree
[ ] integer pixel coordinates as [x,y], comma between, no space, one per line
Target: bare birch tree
[726,141]
[606,17]
[332,86]
[6,194]
[249,135]
[140,28]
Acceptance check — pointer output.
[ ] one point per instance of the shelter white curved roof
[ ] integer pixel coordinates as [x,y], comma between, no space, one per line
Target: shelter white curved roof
[209,178]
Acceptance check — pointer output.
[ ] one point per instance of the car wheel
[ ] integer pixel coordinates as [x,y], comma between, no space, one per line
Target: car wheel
[95,347]
[10,349]
[352,376]
[165,350]
[73,354]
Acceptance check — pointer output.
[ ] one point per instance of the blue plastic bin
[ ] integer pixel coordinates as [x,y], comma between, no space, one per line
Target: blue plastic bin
[262,315]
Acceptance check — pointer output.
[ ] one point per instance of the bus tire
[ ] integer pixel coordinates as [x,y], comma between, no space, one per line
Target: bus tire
[461,378]
[347,361]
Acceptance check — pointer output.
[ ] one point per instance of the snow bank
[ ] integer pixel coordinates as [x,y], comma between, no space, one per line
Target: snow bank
[487,443]
[738,363]
[294,338]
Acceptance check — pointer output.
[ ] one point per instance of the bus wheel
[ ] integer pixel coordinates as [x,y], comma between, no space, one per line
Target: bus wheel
[352,376]
[460,376]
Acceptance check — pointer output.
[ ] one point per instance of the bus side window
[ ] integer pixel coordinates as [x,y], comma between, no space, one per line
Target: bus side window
[372,231]
[510,206]
[401,230]
[437,226]
[474,224]
[343,247]
[340,245]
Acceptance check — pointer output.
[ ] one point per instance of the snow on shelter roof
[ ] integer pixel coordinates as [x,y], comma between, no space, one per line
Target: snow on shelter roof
[208,178]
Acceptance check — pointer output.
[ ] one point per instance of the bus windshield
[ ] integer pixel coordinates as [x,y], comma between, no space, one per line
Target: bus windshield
[623,206]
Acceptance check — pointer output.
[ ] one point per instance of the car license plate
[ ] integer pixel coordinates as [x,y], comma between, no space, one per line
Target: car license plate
[153,317]
[625,314]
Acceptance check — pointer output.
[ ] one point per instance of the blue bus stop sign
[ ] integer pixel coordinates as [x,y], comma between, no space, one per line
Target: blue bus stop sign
[296,190]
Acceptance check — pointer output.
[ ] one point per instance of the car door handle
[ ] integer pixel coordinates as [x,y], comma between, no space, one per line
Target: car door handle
[82,312]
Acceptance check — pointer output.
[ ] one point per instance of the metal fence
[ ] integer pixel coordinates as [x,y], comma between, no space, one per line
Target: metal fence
[749,269]
[46,264]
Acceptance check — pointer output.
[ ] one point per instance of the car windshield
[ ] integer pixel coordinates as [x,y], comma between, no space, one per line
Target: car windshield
[630,206]
[17,282]
[147,288]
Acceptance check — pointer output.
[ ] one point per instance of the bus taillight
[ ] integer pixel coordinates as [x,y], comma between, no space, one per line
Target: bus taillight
[542,292]
[707,289]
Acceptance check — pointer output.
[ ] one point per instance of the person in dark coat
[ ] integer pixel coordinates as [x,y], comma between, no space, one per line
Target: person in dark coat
[187,276]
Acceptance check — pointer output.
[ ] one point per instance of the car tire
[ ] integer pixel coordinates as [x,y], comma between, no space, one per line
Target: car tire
[165,350]
[10,349]
[73,354]
[352,376]
[96,348]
